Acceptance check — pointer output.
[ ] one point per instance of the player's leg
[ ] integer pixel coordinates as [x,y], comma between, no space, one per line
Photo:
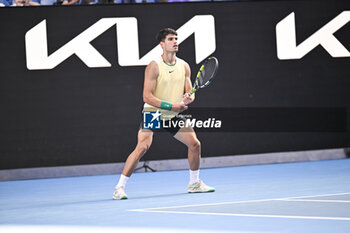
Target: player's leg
[188,137]
[144,141]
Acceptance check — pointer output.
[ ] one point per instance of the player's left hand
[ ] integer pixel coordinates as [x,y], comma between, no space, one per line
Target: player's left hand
[187,98]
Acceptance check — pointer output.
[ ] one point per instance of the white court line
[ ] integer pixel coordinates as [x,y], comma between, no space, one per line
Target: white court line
[237,202]
[248,215]
[101,229]
[159,209]
[313,200]
[320,195]
[207,204]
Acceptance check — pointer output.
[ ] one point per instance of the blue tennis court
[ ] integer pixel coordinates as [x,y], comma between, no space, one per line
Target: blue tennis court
[292,197]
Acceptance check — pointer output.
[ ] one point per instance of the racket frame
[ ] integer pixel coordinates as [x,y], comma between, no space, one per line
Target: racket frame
[196,84]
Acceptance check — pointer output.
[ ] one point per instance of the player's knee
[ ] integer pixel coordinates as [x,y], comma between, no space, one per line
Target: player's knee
[143,148]
[195,145]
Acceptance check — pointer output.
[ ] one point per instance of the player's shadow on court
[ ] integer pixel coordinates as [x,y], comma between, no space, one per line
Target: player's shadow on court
[159,195]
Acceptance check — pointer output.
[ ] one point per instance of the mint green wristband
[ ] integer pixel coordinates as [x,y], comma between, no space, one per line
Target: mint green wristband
[165,105]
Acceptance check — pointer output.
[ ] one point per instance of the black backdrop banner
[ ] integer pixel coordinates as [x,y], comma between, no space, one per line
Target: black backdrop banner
[60,108]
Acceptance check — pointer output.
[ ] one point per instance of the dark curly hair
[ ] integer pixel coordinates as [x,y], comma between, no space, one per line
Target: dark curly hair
[164,32]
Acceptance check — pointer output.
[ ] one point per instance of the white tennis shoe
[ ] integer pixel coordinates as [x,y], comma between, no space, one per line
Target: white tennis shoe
[199,187]
[119,193]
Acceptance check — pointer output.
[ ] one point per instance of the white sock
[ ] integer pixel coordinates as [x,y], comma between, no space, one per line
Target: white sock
[194,176]
[122,180]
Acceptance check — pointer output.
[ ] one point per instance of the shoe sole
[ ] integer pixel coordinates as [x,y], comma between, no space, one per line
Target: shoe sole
[209,191]
[122,198]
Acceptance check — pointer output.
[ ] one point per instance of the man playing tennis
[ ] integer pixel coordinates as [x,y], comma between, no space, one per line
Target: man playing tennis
[166,87]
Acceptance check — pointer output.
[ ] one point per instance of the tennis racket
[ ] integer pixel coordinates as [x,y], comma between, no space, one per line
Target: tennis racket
[206,74]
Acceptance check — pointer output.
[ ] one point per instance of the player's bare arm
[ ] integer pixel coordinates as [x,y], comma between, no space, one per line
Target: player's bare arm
[188,86]
[150,81]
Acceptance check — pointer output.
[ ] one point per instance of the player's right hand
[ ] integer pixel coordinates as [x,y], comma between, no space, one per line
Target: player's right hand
[179,107]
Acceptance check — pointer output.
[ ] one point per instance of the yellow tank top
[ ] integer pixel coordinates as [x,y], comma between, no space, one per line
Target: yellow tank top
[170,85]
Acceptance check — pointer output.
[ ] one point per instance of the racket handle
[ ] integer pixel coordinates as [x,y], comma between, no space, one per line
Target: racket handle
[189,94]
[192,91]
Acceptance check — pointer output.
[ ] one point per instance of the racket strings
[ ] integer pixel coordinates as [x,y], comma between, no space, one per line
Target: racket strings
[207,72]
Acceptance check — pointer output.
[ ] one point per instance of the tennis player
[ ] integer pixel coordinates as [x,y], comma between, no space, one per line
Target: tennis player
[166,87]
